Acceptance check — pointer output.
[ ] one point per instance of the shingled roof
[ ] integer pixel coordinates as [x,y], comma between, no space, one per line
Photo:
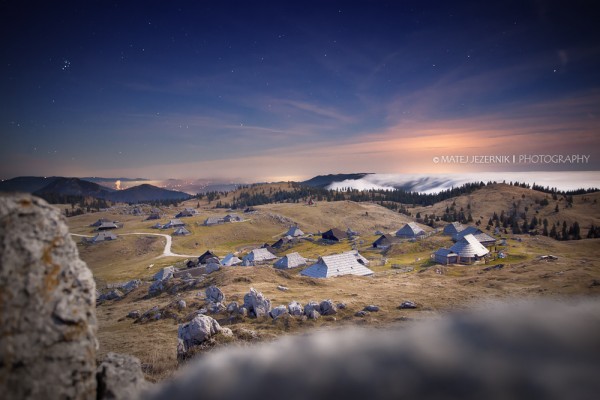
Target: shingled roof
[480,235]
[259,255]
[336,265]
[292,260]
[410,230]
[469,247]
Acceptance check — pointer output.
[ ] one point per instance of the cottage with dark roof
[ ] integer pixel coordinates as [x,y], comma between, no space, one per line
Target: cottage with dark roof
[385,241]
[334,235]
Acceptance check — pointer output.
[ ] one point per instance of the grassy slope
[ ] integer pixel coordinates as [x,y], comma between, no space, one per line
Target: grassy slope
[495,198]
[437,289]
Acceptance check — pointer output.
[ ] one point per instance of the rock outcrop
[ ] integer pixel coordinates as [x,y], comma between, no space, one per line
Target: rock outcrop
[295,309]
[256,303]
[327,307]
[214,295]
[278,312]
[164,273]
[119,377]
[194,333]
[47,306]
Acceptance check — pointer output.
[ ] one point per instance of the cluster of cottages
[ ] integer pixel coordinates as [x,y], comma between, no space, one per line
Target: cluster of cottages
[347,263]
[470,245]
[103,226]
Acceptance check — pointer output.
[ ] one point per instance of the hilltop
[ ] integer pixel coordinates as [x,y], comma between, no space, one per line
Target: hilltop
[500,197]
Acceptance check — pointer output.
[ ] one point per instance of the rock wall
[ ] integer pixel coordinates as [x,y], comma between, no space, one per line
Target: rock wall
[47,306]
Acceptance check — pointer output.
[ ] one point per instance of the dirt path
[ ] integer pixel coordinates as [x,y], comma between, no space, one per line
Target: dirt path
[167,250]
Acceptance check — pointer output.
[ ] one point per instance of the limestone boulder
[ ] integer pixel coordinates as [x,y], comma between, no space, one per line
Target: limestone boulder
[255,302]
[214,294]
[47,305]
[295,309]
[164,273]
[327,307]
[278,312]
[195,332]
[120,377]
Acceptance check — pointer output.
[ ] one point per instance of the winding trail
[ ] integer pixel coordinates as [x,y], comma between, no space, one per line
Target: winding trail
[167,250]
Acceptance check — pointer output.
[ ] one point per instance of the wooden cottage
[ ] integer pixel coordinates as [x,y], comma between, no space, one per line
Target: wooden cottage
[469,250]
[334,235]
[102,237]
[292,260]
[294,231]
[210,221]
[385,241]
[480,235]
[453,228]
[336,265]
[410,231]
[445,257]
[107,226]
[258,256]
[208,256]
[181,231]
[230,260]
[174,223]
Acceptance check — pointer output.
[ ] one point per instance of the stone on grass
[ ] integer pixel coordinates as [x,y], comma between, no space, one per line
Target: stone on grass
[114,294]
[120,377]
[195,332]
[164,274]
[278,312]
[407,305]
[295,309]
[214,294]
[361,313]
[327,308]
[257,303]
[232,307]
[134,314]
[371,308]
[181,304]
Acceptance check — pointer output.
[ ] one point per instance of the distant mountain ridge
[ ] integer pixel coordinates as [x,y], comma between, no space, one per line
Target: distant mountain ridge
[60,186]
[146,192]
[27,184]
[74,187]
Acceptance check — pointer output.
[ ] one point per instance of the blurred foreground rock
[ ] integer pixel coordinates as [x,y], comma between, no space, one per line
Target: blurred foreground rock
[540,350]
[47,306]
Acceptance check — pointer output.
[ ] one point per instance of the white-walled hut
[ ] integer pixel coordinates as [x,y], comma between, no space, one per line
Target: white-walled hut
[410,231]
[292,260]
[336,265]
[469,250]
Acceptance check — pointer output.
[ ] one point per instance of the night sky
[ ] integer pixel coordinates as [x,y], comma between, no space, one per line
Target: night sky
[287,90]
